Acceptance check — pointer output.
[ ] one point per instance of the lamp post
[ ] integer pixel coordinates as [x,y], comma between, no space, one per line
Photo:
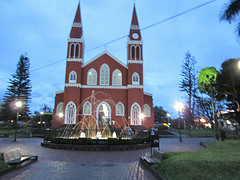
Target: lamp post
[43,124]
[179,106]
[18,104]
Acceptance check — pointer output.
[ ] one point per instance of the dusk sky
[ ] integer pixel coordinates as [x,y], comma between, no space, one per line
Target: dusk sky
[41,28]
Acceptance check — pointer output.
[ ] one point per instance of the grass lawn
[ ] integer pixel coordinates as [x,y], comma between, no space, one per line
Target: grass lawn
[198,132]
[204,132]
[220,161]
[9,130]
[3,165]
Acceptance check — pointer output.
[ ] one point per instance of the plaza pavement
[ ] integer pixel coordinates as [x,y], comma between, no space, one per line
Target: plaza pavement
[83,165]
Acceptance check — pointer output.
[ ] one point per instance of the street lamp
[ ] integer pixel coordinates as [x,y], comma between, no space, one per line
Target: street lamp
[18,104]
[43,124]
[179,106]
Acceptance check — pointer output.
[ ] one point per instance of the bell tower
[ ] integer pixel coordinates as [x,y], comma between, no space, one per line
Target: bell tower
[73,70]
[135,72]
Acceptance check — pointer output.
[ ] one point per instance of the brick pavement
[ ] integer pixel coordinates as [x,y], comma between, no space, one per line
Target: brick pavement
[66,164]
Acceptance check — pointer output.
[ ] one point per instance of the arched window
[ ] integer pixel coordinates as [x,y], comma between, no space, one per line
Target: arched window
[59,108]
[104,75]
[70,113]
[77,52]
[147,110]
[135,79]
[117,77]
[72,51]
[135,114]
[119,109]
[72,77]
[92,77]
[133,52]
[87,108]
[138,53]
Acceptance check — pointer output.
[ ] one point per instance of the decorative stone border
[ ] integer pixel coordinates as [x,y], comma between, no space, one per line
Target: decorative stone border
[95,147]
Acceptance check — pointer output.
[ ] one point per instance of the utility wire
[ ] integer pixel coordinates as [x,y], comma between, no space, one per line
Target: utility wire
[142,29]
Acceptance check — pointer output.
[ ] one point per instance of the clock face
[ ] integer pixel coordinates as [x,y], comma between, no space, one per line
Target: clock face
[135,35]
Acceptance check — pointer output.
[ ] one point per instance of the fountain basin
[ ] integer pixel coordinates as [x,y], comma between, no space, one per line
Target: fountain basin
[88,144]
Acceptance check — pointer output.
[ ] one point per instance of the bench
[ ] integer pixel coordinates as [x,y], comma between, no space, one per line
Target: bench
[15,157]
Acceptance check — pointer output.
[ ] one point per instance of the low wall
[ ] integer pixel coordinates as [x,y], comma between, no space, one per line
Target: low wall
[95,147]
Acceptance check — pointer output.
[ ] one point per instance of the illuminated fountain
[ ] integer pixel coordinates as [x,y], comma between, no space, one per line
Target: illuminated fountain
[97,124]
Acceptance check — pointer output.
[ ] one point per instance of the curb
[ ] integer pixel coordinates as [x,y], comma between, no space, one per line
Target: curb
[151,169]
[203,145]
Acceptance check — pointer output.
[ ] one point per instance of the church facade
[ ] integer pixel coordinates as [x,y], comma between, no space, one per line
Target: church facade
[104,88]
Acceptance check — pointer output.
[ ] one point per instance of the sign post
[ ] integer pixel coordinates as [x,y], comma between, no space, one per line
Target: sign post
[154,142]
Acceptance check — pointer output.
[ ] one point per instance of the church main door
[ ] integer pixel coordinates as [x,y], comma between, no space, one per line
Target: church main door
[103,114]
[135,114]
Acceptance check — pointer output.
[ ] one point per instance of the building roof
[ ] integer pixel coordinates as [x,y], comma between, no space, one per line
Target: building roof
[107,53]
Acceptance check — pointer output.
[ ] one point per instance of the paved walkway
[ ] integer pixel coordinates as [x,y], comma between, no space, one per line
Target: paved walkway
[67,165]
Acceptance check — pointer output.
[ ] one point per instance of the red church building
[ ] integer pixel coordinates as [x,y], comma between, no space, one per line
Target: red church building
[104,88]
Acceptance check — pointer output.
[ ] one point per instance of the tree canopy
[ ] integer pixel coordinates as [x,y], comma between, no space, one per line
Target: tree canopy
[206,78]
[231,13]
[228,81]
[160,115]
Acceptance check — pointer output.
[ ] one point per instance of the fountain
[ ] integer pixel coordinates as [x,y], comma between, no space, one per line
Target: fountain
[98,125]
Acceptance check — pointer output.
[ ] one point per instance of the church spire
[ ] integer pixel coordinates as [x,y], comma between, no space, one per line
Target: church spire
[134,18]
[76,31]
[134,33]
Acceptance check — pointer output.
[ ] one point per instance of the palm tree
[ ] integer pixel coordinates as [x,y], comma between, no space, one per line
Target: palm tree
[232,12]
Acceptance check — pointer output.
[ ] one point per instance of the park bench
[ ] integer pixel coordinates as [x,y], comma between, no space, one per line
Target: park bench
[15,157]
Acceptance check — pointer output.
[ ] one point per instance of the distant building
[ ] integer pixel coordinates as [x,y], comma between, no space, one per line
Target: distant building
[104,88]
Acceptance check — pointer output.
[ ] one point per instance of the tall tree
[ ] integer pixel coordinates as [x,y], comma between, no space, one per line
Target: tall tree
[231,13]
[228,81]
[188,84]
[19,89]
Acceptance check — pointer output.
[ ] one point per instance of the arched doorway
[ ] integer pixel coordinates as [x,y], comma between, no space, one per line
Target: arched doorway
[103,114]
[135,114]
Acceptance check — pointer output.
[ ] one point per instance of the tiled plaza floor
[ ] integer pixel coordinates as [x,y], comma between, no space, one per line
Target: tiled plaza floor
[66,165]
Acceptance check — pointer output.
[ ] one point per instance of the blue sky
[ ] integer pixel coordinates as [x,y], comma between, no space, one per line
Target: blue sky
[40,28]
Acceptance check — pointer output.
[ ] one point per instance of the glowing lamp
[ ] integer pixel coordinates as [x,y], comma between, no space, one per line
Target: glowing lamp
[60,114]
[178,106]
[18,104]
[141,116]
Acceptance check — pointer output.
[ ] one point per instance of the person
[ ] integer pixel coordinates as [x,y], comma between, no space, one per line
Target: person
[223,135]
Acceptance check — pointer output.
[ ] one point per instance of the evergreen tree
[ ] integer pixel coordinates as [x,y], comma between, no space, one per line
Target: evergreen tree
[188,84]
[19,89]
